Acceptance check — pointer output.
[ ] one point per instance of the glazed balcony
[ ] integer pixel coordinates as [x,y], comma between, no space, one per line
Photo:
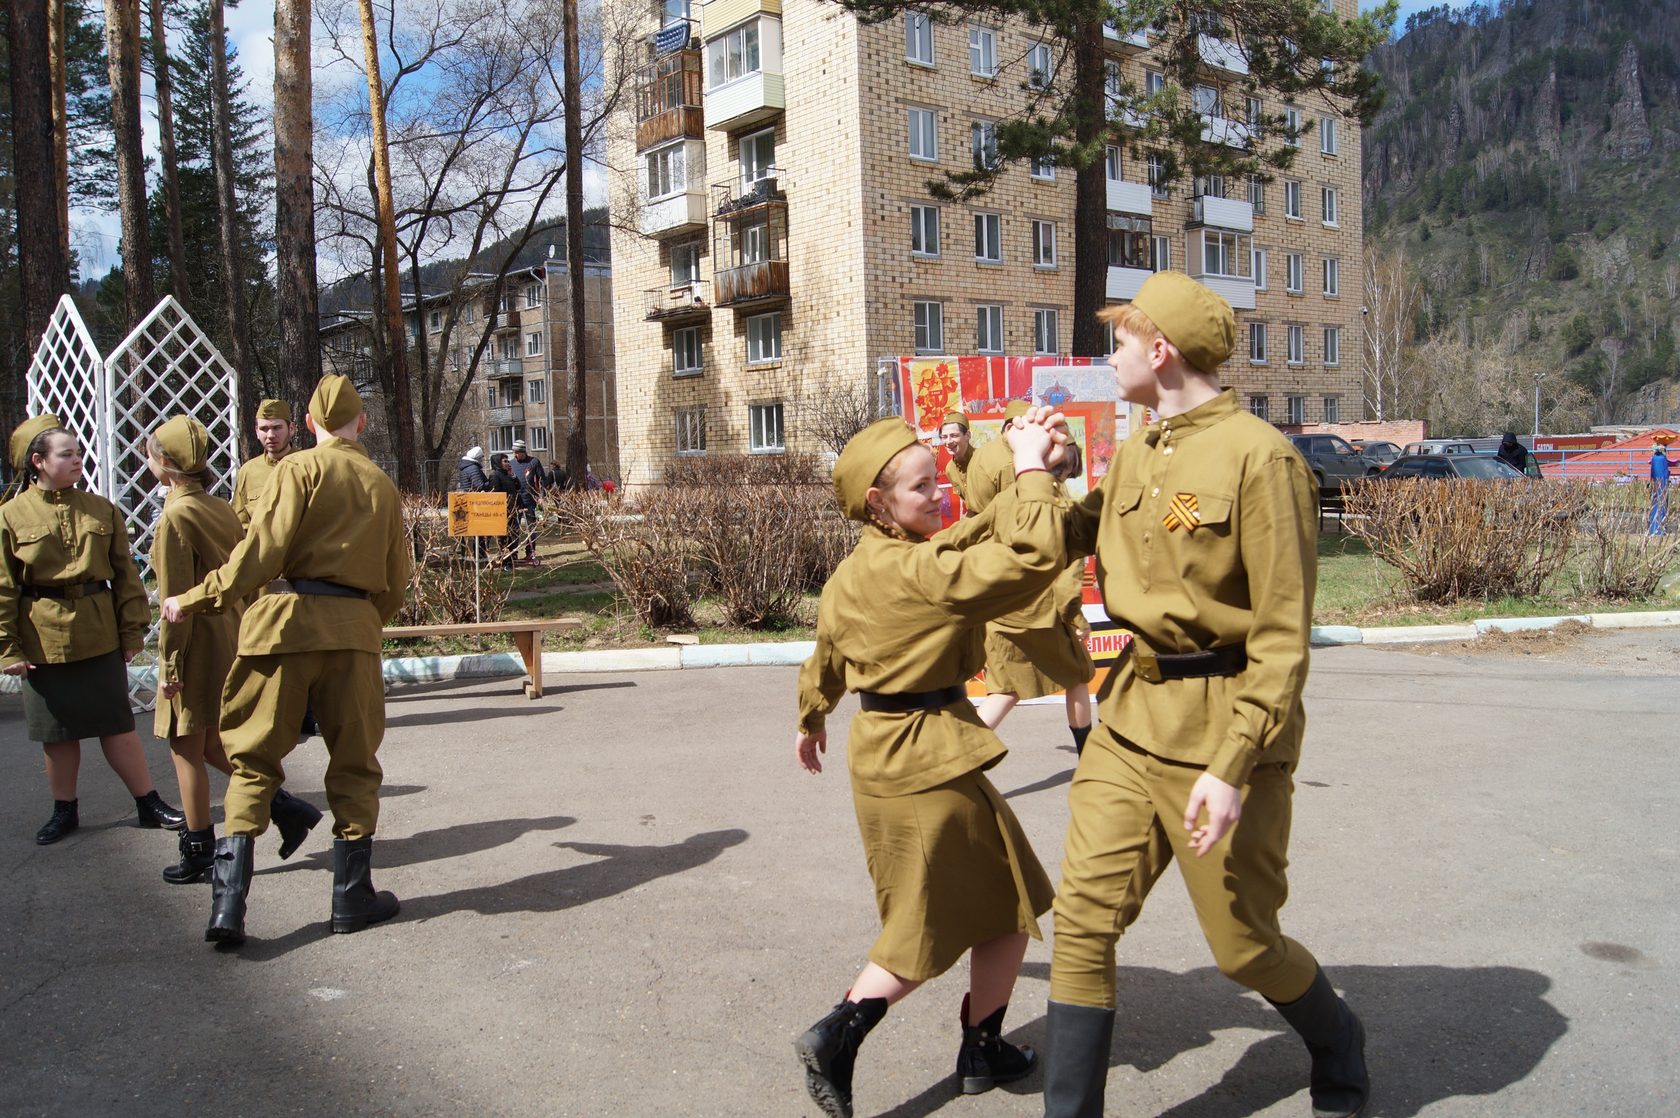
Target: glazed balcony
[681,302]
[670,101]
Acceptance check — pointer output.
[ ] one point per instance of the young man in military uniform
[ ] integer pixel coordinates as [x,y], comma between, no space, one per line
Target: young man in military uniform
[953,432]
[1205,535]
[274,433]
[991,470]
[330,526]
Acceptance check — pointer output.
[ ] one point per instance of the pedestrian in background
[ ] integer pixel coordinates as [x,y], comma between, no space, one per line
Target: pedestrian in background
[502,481]
[1659,491]
[528,472]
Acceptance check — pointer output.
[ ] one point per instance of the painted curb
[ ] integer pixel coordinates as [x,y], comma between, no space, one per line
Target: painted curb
[1335,634]
[1526,624]
[1418,634]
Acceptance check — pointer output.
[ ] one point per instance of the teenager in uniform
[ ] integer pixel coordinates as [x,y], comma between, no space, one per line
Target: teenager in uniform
[72,615]
[990,470]
[901,622]
[330,525]
[274,432]
[953,433]
[1205,535]
[193,537]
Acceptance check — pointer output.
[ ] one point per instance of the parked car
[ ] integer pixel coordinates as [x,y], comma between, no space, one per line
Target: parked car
[1439,446]
[1377,450]
[1333,461]
[1476,466]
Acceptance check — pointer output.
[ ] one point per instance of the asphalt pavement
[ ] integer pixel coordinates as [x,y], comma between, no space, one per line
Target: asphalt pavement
[625,899]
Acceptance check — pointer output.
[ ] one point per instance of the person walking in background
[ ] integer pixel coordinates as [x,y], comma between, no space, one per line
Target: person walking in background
[502,481]
[469,472]
[1659,491]
[528,472]
[1513,453]
[73,613]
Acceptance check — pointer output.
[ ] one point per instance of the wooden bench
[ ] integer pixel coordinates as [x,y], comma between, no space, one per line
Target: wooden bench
[527,637]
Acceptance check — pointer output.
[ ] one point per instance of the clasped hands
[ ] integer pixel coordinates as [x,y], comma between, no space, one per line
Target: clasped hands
[1039,439]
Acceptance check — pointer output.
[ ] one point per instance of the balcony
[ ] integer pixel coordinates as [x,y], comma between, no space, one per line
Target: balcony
[508,415]
[683,302]
[1237,290]
[749,240]
[506,367]
[1128,43]
[746,101]
[1123,283]
[1222,54]
[508,320]
[669,101]
[676,215]
[1223,130]
[1129,197]
[1224,213]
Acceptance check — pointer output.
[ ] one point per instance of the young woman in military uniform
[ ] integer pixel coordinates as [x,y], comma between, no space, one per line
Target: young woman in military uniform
[72,614]
[901,622]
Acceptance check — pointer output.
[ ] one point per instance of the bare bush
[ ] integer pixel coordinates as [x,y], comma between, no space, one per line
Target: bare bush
[644,547]
[1468,539]
[440,591]
[1621,558]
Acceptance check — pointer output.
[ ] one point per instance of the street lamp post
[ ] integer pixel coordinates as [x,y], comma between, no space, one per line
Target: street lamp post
[1538,377]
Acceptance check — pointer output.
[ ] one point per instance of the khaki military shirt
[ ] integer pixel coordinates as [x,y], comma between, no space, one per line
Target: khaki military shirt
[67,537]
[991,470]
[328,514]
[194,536]
[1205,532]
[253,477]
[957,474]
[898,616]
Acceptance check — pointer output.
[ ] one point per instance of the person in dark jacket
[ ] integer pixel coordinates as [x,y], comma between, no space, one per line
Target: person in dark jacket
[1513,453]
[528,472]
[469,473]
[502,481]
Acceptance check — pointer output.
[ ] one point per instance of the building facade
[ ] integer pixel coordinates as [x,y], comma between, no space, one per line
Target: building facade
[519,388]
[781,231]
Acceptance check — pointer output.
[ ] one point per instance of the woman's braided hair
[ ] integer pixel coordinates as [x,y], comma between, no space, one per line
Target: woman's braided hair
[884,480]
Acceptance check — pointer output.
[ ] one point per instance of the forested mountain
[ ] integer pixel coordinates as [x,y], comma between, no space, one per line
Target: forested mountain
[1525,165]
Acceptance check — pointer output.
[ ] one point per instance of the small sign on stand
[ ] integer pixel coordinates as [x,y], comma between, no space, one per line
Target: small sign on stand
[477,514]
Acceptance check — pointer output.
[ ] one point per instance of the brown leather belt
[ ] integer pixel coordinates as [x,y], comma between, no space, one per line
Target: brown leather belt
[904,702]
[71,592]
[1154,667]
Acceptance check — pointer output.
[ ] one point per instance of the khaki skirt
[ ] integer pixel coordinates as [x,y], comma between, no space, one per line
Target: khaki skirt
[952,868]
[81,699]
[1037,662]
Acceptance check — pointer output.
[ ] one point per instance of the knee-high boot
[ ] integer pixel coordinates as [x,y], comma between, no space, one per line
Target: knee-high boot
[355,903]
[1336,1040]
[1077,1045]
[294,818]
[230,882]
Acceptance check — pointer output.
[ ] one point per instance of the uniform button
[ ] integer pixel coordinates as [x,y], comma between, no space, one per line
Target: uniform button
[1167,451]
[1156,492]
[1146,537]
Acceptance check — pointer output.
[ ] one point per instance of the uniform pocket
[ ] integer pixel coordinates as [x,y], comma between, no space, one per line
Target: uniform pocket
[1126,497]
[36,548]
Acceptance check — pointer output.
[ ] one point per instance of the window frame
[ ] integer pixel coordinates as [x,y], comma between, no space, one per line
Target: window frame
[1040,241]
[1040,77]
[920,227]
[757,442]
[1295,345]
[691,429]
[536,390]
[1332,409]
[1046,324]
[928,319]
[930,133]
[1258,354]
[753,52]
[1295,410]
[982,48]
[1329,200]
[757,342]
[533,343]
[988,318]
[1292,200]
[1332,277]
[1294,281]
[1327,136]
[981,220]
[1332,347]
[670,162]
[1259,266]
[918,32]
[982,144]
[1259,406]
[679,337]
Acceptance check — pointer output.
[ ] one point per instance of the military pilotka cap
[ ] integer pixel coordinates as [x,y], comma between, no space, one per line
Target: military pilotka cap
[28,431]
[1193,318]
[956,417]
[186,442]
[865,456]
[274,409]
[1016,409]
[335,403]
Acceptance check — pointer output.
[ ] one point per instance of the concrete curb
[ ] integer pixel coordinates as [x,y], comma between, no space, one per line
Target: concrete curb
[435,669]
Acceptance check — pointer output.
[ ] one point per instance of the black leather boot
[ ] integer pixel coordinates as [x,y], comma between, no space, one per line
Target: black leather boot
[155,813]
[230,882]
[198,854]
[294,818]
[63,820]
[1336,1040]
[985,1058]
[1076,1060]
[355,905]
[829,1051]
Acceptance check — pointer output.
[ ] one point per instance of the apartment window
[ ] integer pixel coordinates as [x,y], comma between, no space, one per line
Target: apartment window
[1113,84]
[758,157]
[666,174]
[1128,241]
[1255,112]
[1328,196]
[533,295]
[1257,343]
[1044,244]
[1158,176]
[1297,345]
[1327,66]
[1039,63]
[1208,185]
[988,238]
[691,430]
[924,230]
[1160,253]
[1291,127]
[1332,345]
[1292,199]
[533,343]
[1327,135]
[1259,269]
[982,143]
[673,11]
[1043,167]
[1257,193]
[490,396]
[988,329]
[1295,409]
[764,422]
[982,52]
[534,390]
[1153,82]
[1111,161]
[1257,407]
[537,437]
[918,38]
[469,313]
[510,348]
[685,263]
[734,55]
[1332,409]
[1332,276]
[764,338]
[435,321]
[924,134]
[1292,273]
[1045,333]
[930,328]
[686,352]
[1226,253]
[1205,98]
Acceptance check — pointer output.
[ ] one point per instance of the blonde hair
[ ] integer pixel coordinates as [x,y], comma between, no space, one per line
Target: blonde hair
[885,480]
[1127,319]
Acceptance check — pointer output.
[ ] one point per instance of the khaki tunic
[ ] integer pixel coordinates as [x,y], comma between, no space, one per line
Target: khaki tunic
[957,474]
[66,537]
[193,537]
[991,470]
[1244,576]
[253,477]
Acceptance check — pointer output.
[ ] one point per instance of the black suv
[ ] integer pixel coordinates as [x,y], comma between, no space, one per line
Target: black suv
[1333,461]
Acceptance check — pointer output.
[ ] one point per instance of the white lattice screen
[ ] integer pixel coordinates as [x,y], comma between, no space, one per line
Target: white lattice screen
[67,379]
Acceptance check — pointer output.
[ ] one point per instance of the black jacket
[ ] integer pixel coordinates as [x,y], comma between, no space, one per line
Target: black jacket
[469,477]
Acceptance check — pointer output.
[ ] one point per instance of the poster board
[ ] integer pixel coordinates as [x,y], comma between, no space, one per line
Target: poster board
[477,514]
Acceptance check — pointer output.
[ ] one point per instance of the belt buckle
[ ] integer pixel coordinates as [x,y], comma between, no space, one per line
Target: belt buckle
[1144,663]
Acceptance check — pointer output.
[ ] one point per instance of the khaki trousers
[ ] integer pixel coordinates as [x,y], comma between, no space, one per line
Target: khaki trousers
[1126,824]
[262,709]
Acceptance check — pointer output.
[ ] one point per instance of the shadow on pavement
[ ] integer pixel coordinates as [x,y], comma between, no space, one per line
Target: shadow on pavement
[432,846]
[1433,1033]
[1054,780]
[621,868]
[468,714]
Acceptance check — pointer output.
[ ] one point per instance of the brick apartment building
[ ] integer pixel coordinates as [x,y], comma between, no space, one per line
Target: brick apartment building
[787,239]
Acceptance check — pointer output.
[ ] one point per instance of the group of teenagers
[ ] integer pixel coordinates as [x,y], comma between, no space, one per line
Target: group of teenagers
[271,606]
[1204,533]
